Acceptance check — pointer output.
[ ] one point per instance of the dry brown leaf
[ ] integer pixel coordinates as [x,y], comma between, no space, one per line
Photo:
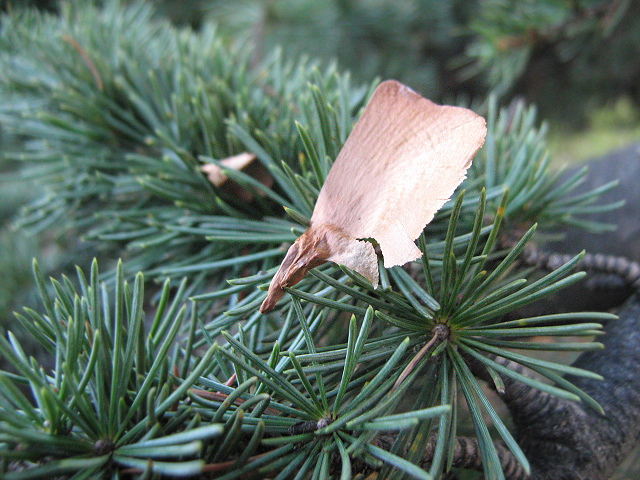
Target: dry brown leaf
[403,160]
[244,162]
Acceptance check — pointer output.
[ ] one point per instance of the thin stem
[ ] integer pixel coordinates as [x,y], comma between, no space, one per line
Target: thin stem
[440,333]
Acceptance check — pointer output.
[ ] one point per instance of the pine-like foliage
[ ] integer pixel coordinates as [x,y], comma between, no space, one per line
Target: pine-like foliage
[565,56]
[122,113]
[117,113]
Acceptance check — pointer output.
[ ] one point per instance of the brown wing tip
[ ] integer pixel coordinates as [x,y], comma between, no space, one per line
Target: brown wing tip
[307,252]
[273,296]
[393,88]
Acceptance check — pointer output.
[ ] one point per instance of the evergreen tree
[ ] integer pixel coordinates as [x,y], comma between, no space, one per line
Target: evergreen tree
[115,114]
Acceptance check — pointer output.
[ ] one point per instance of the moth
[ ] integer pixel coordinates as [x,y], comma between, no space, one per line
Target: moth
[401,163]
[243,162]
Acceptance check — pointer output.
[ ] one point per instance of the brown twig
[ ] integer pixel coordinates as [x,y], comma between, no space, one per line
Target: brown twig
[604,12]
[440,333]
[627,271]
[86,59]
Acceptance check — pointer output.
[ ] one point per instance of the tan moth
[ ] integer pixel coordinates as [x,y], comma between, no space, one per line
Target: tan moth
[403,160]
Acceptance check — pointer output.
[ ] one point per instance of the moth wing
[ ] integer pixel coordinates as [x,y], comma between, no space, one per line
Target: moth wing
[402,162]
